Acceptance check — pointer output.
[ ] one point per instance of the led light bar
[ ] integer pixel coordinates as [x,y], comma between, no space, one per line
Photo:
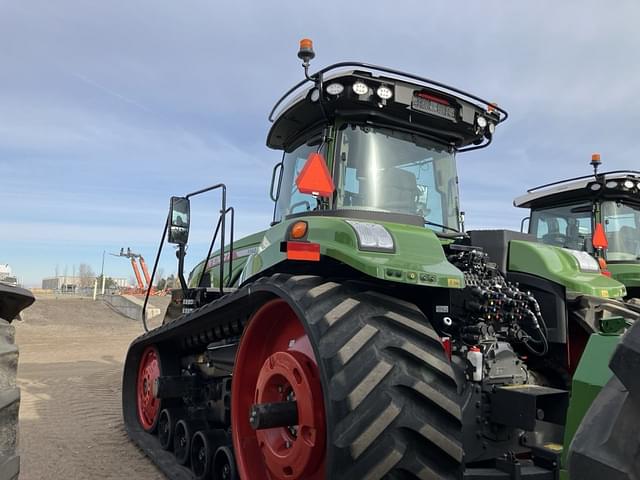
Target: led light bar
[372,236]
[586,262]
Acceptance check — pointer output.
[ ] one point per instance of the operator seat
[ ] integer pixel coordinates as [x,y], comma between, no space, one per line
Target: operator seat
[391,189]
[573,234]
[399,190]
[554,236]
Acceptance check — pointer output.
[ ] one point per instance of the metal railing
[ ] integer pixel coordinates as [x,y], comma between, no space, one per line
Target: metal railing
[220,228]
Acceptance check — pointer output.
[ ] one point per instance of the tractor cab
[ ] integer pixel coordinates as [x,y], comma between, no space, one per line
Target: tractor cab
[388,140]
[598,214]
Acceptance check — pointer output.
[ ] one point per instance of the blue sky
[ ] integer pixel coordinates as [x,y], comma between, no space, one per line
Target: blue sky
[108,108]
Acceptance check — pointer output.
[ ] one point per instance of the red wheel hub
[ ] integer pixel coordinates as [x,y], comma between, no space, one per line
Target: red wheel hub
[148,405]
[275,363]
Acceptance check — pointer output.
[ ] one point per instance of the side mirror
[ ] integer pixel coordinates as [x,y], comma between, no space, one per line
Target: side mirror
[179,220]
[526,220]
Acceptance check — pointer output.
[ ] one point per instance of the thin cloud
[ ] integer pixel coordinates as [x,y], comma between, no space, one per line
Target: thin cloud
[110,92]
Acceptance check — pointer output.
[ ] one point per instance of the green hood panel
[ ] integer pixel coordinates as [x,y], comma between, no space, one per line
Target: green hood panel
[627,273]
[559,266]
[418,257]
[242,250]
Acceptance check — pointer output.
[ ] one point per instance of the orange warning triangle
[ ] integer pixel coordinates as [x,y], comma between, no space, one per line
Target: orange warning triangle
[315,177]
[600,238]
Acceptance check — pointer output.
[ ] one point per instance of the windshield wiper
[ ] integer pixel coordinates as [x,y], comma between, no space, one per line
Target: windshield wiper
[444,227]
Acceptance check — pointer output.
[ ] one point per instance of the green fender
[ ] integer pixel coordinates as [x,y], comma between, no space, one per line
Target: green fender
[418,257]
[558,265]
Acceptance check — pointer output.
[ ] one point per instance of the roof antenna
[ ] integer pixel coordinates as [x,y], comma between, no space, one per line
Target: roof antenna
[595,163]
[306,54]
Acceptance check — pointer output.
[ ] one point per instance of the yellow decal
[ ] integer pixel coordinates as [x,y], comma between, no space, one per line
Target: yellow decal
[553,446]
[604,293]
[454,282]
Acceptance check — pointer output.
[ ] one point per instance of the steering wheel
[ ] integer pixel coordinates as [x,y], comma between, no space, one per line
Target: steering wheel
[556,238]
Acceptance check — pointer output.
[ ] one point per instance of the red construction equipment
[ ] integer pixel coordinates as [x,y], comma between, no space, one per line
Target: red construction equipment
[142,286]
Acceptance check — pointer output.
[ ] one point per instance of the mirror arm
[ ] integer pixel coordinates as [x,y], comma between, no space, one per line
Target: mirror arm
[153,274]
[181,253]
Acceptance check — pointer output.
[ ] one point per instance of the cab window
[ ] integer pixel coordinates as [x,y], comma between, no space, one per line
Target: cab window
[569,226]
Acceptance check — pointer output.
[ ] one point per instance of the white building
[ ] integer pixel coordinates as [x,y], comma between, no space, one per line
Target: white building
[71,283]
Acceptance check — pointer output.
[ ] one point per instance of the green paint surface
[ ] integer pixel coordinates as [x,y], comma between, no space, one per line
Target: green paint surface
[590,376]
[418,257]
[242,250]
[627,273]
[559,266]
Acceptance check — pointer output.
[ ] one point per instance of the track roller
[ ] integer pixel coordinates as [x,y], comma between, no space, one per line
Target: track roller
[182,441]
[201,455]
[224,465]
[203,449]
[166,428]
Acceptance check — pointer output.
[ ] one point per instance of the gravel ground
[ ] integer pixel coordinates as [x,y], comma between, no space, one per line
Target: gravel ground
[71,357]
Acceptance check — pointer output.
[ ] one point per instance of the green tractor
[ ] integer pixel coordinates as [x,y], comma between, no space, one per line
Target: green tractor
[364,335]
[598,214]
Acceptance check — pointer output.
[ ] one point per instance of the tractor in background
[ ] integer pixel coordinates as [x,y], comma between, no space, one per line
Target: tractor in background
[364,335]
[598,214]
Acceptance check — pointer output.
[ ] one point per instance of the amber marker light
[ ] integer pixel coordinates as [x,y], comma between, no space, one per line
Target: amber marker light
[298,230]
[306,44]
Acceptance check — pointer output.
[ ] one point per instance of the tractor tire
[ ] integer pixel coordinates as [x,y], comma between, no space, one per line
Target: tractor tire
[607,444]
[392,399]
[9,403]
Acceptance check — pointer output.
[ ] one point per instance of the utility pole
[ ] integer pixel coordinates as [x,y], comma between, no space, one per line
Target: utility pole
[102,272]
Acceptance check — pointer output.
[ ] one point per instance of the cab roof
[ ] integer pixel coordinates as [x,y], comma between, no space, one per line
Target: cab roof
[619,184]
[435,110]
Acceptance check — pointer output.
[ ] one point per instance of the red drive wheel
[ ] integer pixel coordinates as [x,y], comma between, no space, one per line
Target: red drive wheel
[276,364]
[148,405]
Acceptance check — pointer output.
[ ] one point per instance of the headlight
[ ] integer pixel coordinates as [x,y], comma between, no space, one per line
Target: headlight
[384,92]
[335,88]
[372,236]
[586,262]
[360,88]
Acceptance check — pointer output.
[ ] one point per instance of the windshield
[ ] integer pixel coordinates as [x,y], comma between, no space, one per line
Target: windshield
[390,171]
[569,226]
[622,226]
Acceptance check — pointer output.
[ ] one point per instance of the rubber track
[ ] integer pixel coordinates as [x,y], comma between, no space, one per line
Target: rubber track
[391,395]
[9,403]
